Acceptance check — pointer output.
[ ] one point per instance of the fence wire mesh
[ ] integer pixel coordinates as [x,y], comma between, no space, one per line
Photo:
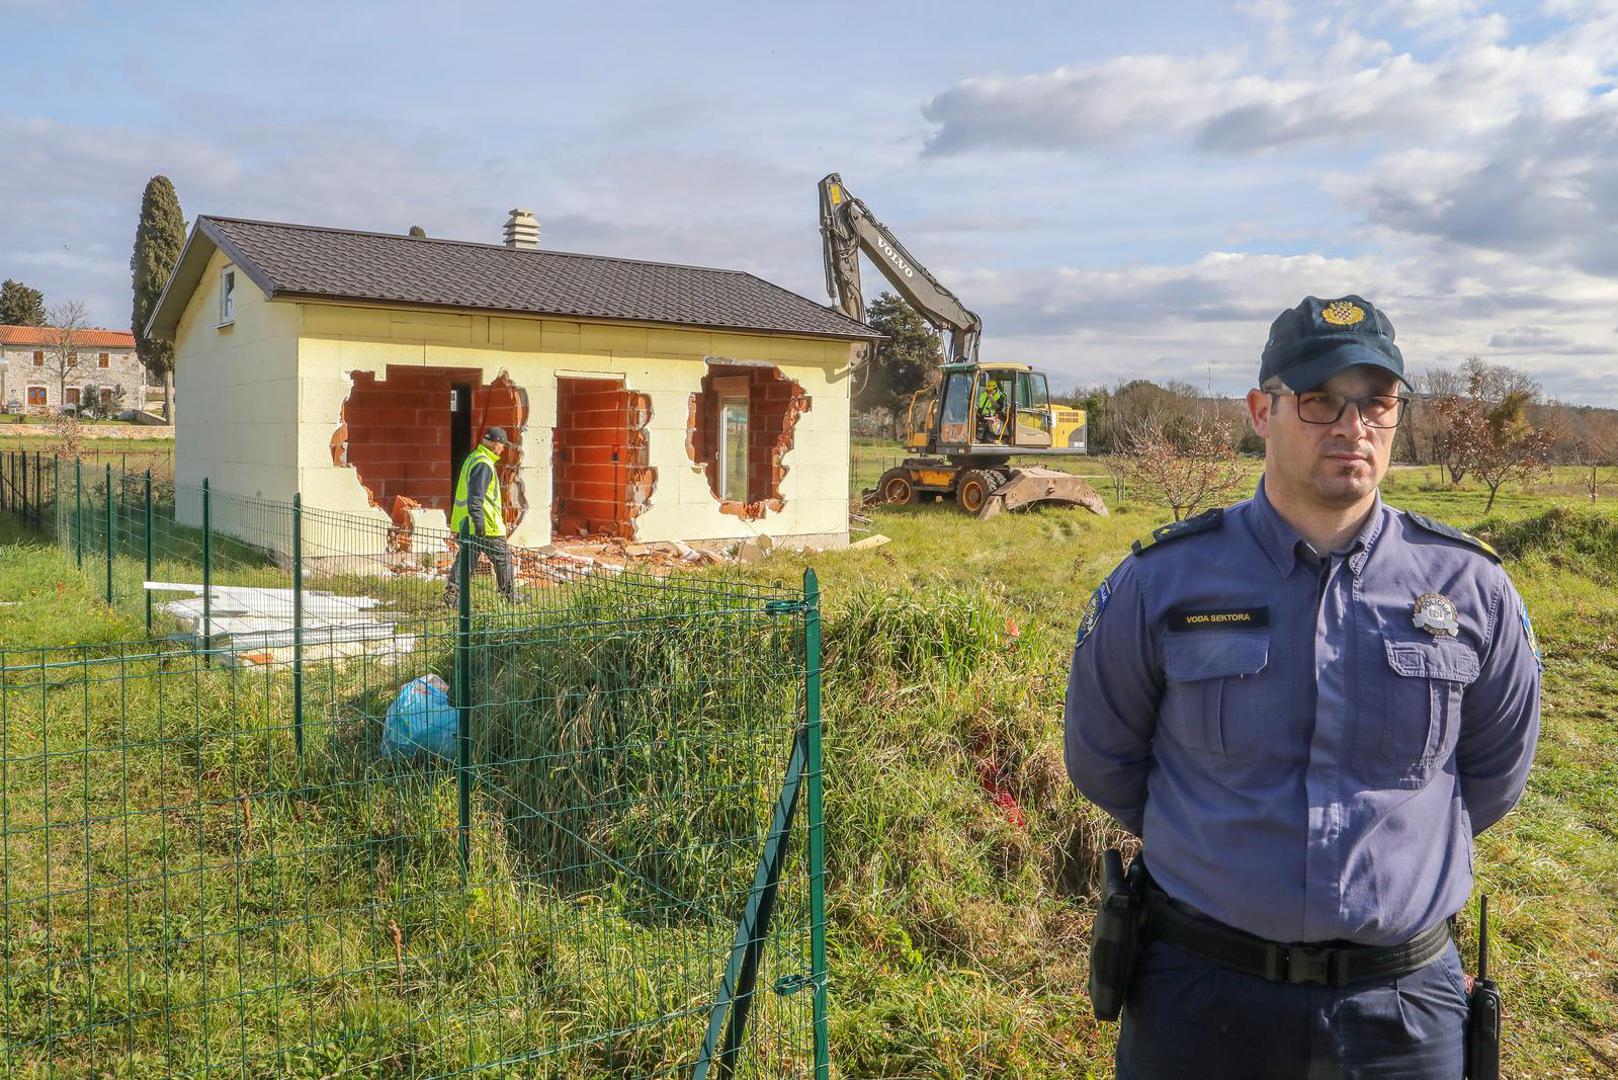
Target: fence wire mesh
[219,857]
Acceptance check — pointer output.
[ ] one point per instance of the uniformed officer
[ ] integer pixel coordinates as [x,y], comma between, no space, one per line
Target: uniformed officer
[480,505]
[1306,706]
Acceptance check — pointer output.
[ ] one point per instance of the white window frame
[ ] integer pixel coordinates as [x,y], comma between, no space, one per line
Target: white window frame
[227,296]
[727,390]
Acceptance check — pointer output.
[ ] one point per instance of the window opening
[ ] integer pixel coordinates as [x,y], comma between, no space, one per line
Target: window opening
[740,428]
[227,297]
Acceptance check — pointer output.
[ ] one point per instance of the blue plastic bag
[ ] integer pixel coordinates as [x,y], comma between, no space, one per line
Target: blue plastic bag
[421,719]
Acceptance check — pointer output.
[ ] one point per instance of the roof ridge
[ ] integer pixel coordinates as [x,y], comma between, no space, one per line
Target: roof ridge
[76,329]
[474,244]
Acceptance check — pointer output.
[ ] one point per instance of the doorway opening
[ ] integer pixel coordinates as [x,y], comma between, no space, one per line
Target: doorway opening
[407,433]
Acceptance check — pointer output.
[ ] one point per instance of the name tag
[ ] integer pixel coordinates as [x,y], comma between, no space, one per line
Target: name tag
[1222,619]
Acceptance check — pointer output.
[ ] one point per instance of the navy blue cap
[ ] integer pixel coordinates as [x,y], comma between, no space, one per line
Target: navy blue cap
[495,434]
[1315,340]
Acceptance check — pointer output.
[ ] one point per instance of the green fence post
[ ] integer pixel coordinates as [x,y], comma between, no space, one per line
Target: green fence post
[817,824]
[109,533]
[5,481]
[39,493]
[24,470]
[463,694]
[149,566]
[78,512]
[297,620]
[207,575]
[56,495]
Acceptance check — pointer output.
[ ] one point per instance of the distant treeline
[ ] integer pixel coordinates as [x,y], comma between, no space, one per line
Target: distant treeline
[1578,434]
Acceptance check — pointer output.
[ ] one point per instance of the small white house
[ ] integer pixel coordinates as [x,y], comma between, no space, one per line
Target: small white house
[644,401]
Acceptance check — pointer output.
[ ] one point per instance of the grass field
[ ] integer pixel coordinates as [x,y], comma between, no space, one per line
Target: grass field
[959,921]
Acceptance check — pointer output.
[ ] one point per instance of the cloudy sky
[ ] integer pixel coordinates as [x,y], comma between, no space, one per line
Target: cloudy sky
[1117,194]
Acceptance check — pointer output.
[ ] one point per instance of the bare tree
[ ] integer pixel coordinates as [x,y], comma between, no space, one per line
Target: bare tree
[1507,446]
[1590,441]
[65,324]
[1421,432]
[1188,469]
[1479,421]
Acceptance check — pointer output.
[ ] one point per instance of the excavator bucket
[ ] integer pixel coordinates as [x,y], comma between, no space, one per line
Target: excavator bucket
[1032,485]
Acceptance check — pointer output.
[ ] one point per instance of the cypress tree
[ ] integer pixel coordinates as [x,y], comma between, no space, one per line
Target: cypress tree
[159,238]
[20,305]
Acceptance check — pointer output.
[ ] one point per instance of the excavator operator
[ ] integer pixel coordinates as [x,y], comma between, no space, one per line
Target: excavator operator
[991,411]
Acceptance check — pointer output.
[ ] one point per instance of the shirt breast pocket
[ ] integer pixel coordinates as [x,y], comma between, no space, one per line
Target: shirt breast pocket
[1421,715]
[1215,703]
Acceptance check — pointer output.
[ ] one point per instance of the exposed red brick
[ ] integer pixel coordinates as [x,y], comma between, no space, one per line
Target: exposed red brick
[395,433]
[599,459]
[774,404]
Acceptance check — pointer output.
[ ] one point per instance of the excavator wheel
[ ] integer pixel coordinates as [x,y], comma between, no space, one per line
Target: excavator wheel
[896,488]
[974,488]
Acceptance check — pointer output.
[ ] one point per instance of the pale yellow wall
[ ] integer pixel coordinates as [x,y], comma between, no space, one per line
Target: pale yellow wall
[235,402]
[665,364]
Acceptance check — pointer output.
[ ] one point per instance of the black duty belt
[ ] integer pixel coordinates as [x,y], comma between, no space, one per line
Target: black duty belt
[1322,965]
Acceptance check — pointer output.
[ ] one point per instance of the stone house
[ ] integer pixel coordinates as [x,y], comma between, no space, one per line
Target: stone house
[101,362]
[647,401]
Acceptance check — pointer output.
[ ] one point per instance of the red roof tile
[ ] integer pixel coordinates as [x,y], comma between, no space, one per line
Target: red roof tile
[44,336]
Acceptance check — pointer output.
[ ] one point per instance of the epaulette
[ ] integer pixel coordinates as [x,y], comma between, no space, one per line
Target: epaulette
[1438,528]
[1207,521]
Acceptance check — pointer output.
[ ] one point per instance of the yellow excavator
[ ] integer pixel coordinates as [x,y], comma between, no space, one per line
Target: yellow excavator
[969,419]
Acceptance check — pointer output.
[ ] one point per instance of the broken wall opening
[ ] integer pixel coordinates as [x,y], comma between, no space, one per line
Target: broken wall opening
[741,423]
[398,434]
[599,453]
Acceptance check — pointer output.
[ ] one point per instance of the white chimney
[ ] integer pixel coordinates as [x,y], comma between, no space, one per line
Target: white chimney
[522,230]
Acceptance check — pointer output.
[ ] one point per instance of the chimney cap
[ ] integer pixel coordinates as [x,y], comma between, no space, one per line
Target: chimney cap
[522,229]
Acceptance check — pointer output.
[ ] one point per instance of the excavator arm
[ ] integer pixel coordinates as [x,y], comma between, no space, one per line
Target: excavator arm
[847,228]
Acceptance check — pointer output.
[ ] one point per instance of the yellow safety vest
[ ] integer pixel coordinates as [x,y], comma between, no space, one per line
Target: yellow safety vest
[989,400]
[493,508]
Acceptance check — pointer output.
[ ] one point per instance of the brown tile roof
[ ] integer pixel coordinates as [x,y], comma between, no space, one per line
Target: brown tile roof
[294,261]
[44,337]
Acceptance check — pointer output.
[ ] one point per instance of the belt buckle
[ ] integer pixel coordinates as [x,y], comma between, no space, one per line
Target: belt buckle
[1306,964]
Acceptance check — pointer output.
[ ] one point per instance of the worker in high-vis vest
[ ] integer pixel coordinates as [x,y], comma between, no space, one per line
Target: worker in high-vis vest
[480,507]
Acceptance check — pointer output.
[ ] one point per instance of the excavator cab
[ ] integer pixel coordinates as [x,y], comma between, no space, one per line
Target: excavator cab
[985,409]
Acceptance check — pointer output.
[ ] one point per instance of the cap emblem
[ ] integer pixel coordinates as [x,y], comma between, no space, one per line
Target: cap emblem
[1436,614]
[1343,313]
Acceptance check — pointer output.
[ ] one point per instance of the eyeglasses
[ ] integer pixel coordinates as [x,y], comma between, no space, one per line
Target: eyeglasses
[1321,407]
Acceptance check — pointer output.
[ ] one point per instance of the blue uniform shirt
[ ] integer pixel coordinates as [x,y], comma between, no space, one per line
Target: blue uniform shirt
[1300,760]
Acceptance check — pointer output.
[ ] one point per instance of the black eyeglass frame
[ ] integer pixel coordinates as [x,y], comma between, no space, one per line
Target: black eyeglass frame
[1358,403]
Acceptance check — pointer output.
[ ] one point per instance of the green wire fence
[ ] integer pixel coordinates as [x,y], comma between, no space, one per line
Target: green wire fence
[219,856]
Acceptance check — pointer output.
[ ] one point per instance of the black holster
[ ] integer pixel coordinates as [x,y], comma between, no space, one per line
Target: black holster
[1117,936]
[1483,1031]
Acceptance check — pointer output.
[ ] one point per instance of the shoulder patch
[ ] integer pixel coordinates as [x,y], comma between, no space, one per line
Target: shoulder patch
[1206,521]
[1450,532]
[1092,613]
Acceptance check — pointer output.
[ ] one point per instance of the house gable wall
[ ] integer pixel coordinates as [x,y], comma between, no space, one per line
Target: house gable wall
[235,398]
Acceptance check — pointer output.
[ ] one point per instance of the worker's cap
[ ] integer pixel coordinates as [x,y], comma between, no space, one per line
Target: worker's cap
[495,434]
[1315,340]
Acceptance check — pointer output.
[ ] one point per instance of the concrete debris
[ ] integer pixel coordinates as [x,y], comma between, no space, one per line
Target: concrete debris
[256,624]
[875,540]
[750,552]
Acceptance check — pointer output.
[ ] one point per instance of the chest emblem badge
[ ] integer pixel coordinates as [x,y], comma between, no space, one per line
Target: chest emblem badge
[1436,614]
